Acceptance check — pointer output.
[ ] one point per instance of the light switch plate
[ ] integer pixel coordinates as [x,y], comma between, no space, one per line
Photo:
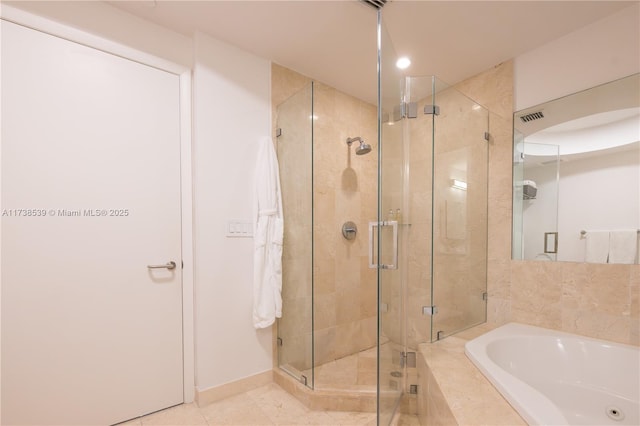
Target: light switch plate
[237,228]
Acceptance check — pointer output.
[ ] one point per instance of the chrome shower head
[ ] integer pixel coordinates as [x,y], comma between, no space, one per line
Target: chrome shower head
[364,148]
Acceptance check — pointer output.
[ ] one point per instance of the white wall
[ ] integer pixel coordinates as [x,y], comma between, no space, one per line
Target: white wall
[597,194]
[103,20]
[231,112]
[595,54]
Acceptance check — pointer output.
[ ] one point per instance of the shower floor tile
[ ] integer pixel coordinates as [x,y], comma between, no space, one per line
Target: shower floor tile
[356,372]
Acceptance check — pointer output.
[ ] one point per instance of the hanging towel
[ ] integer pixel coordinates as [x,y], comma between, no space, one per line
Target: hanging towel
[267,238]
[597,250]
[623,246]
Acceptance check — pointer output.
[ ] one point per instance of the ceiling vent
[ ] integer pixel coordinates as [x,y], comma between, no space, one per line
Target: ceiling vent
[531,117]
[378,4]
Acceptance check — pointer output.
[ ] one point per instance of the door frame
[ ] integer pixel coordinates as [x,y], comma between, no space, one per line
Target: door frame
[56,29]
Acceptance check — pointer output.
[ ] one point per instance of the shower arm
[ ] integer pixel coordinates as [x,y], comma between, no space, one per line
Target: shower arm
[352,140]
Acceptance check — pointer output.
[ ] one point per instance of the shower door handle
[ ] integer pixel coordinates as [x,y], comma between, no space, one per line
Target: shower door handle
[394,261]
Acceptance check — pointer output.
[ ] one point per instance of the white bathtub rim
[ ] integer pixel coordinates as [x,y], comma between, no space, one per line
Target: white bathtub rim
[535,408]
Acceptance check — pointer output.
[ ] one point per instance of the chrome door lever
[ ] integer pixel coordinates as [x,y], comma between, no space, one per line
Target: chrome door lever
[168,265]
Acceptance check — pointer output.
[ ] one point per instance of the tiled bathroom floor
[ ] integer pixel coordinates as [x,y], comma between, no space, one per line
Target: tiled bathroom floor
[266,405]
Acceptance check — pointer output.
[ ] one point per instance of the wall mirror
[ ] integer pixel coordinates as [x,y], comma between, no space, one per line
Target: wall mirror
[576,176]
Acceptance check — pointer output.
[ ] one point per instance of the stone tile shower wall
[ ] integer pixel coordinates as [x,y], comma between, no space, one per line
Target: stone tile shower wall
[344,189]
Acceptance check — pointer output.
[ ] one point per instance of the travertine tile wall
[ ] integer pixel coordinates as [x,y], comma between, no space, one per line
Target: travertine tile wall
[494,90]
[344,189]
[599,301]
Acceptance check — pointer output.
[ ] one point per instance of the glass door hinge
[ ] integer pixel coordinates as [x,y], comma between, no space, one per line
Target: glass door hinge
[410,109]
[429,310]
[432,109]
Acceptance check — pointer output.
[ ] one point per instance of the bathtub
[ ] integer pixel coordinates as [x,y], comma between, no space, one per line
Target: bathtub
[556,378]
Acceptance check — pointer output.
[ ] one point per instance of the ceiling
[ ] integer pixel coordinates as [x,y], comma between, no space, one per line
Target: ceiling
[335,41]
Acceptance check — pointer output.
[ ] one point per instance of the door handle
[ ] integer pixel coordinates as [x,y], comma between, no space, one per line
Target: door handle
[168,265]
[394,261]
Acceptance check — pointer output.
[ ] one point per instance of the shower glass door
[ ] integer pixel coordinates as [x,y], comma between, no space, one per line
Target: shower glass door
[295,156]
[389,230]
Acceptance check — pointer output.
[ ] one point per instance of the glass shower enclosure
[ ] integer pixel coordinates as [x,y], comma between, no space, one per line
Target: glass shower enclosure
[385,251]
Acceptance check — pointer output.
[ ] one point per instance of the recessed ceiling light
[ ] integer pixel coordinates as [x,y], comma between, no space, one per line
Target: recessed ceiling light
[403,63]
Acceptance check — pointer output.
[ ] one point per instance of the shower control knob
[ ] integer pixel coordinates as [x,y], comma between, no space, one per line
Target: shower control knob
[349,230]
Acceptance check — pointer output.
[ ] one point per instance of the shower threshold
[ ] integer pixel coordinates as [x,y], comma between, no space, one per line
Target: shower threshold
[345,384]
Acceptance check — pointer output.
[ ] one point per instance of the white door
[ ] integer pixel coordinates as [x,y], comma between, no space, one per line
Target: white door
[90,197]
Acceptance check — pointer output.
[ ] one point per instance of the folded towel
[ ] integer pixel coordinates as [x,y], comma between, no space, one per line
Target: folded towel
[623,246]
[597,250]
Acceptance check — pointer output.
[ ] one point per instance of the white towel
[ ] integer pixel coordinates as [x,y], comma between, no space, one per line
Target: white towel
[623,246]
[267,238]
[597,250]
